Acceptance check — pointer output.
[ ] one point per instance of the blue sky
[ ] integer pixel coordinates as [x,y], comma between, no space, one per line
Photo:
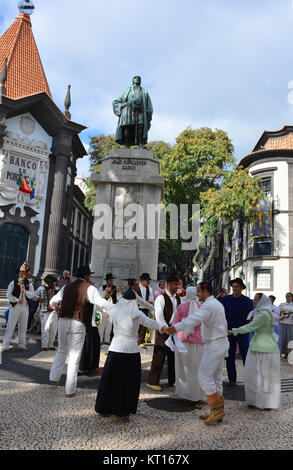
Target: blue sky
[216,63]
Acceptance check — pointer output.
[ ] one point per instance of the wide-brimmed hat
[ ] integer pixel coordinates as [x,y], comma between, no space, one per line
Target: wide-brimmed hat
[145,277]
[238,281]
[50,278]
[109,276]
[82,270]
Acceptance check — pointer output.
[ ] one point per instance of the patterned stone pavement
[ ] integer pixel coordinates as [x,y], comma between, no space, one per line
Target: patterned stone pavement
[36,416]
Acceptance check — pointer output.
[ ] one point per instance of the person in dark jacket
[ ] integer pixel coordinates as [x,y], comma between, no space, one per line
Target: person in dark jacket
[237,307]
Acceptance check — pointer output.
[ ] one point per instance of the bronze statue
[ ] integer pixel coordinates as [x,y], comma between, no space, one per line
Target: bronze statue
[134,109]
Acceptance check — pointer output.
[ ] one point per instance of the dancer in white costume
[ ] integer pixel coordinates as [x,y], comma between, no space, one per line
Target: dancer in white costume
[18,293]
[262,367]
[48,315]
[212,317]
[187,363]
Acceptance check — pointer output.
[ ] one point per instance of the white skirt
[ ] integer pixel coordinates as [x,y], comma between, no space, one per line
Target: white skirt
[262,380]
[186,369]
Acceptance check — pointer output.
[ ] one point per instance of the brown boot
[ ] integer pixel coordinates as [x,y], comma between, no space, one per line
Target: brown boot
[217,410]
[204,417]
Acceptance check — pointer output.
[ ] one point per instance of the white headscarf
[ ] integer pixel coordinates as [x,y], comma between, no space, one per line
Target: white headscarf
[263,304]
[191,296]
[159,288]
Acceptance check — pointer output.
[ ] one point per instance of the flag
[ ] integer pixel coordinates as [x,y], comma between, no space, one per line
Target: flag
[33,187]
[20,178]
[262,227]
[227,246]
[25,187]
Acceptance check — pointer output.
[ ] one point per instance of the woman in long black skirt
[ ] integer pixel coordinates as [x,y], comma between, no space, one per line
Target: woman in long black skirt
[120,383]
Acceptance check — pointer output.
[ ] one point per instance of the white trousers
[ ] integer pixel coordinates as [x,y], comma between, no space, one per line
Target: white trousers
[210,373]
[49,326]
[105,328]
[71,336]
[18,315]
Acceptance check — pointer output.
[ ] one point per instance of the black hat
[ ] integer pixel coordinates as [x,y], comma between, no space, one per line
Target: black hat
[145,277]
[238,281]
[50,278]
[109,276]
[130,280]
[82,270]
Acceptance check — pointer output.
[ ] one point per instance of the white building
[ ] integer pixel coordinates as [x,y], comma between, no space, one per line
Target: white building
[265,263]
[40,143]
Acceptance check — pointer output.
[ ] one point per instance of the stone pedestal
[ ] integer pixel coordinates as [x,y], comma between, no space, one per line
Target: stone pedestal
[127,177]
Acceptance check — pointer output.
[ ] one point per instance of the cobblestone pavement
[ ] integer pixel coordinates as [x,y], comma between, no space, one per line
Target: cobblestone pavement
[37,416]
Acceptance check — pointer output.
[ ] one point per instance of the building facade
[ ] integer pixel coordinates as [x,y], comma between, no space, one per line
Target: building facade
[262,253]
[39,143]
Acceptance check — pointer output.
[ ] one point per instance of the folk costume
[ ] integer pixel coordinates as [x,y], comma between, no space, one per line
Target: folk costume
[147,294]
[160,291]
[165,310]
[105,327]
[48,317]
[19,289]
[211,316]
[236,311]
[62,281]
[262,366]
[119,388]
[286,326]
[75,317]
[187,364]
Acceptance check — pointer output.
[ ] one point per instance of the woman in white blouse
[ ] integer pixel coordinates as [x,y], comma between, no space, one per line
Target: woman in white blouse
[119,388]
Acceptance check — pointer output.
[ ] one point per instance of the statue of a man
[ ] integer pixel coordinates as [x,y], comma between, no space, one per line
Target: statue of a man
[135,110]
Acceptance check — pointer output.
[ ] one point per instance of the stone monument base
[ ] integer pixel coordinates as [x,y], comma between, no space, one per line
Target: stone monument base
[128,177]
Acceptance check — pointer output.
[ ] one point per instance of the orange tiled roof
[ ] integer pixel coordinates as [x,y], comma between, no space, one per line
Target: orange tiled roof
[25,73]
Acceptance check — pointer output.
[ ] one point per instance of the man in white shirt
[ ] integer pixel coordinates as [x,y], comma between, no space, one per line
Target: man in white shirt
[213,322]
[75,317]
[165,310]
[18,293]
[286,323]
[145,291]
[276,324]
[48,315]
[111,293]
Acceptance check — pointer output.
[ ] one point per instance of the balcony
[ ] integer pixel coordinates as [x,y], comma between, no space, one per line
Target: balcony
[261,247]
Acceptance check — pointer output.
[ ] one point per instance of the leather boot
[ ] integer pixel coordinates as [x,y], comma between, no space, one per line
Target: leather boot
[217,412]
[204,417]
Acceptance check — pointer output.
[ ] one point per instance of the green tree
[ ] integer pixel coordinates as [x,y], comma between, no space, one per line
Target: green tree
[236,199]
[195,164]
[159,148]
[99,147]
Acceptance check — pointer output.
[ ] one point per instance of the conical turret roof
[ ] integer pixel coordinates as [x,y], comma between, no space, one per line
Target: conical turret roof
[25,73]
